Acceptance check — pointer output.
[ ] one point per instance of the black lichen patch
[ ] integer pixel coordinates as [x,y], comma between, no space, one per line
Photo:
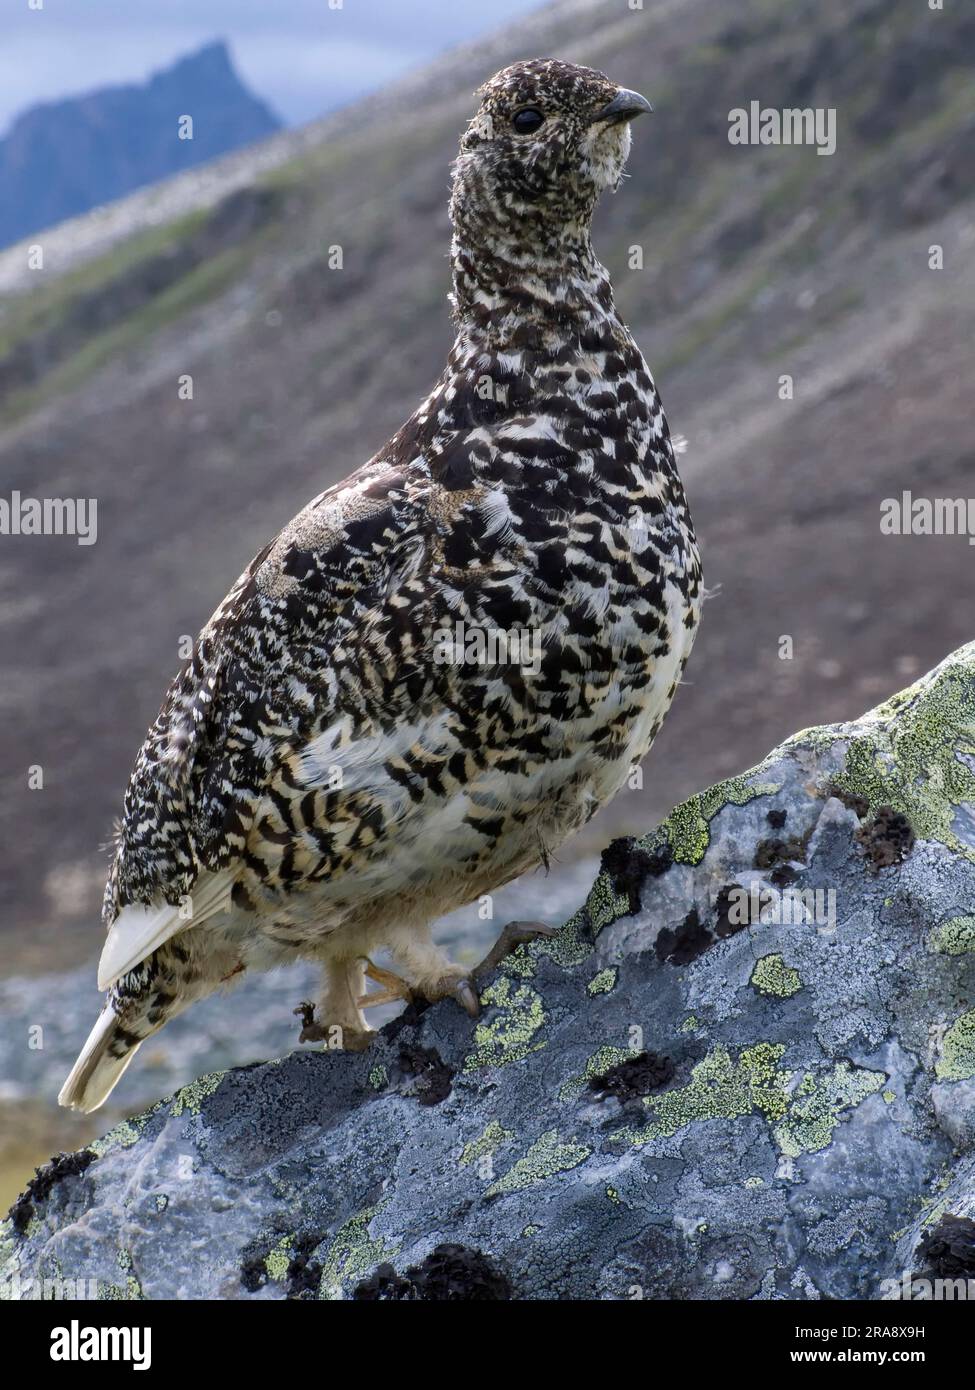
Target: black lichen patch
[628,865]
[253,1273]
[690,940]
[948,1251]
[886,839]
[634,1078]
[449,1274]
[304,1274]
[45,1178]
[859,805]
[724,926]
[433,1077]
[778,851]
[777,818]
[783,876]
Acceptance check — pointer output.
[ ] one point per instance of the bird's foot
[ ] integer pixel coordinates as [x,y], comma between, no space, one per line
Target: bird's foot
[337,1037]
[394,990]
[463,985]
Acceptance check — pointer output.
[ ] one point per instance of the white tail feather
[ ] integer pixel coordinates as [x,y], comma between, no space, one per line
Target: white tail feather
[94,1075]
[138,931]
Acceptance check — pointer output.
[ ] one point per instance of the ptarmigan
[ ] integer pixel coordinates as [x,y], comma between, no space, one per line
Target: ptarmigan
[443,665]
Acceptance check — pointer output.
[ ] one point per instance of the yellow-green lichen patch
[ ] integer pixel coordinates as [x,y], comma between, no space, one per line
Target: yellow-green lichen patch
[954,938]
[772,976]
[353,1254]
[691,1024]
[511,1034]
[817,1105]
[755,1182]
[598,1063]
[129,1292]
[604,905]
[603,982]
[569,948]
[802,1118]
[531,1230]
[957,1060]
[124,1134]
[546,1157]
[889,1097]
[378,1077]
[485,1144]
[688,827]
[614,1196]
[917,752]
[191,1097]
[278,1260]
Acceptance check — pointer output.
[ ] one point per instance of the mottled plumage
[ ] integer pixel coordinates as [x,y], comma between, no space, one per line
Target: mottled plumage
[320,781]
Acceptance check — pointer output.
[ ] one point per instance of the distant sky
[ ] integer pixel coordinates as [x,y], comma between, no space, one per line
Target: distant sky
[301,56]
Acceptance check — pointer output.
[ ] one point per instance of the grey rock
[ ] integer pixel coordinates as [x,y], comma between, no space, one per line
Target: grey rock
[813,1124]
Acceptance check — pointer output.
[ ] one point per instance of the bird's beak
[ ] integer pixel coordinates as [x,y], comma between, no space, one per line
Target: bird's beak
[624,106]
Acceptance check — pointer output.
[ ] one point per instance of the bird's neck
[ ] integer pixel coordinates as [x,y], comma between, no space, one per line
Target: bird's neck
[512,293]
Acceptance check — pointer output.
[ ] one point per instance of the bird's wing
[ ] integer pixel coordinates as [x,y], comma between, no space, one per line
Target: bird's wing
[296,634]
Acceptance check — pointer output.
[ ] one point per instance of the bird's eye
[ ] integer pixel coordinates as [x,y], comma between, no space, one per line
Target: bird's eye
[527,120]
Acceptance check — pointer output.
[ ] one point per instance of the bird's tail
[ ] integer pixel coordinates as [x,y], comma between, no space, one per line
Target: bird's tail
[101,1062]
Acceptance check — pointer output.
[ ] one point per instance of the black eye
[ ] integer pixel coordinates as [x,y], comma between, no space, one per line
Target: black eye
[527,120]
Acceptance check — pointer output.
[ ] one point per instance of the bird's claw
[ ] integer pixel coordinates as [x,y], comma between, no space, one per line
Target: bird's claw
[512,936]
[466,996]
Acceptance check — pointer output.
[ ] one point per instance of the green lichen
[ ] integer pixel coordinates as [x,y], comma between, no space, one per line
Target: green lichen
[613,1196]
[691,1024]
[129,1292]
[915,752]
[278,1260]
[124,1135]
[772,976]
[604,905]
[378,1077]
[802,1118]
[191,1097]
[688,827]
[531,1230]
[954,938]
[570,947]
[889,1097]
[598,1063]
[957,1060]
[485,1144]
[546,1157]
[353,1254]
[511,1034]
[817,1106]
[603,982]
[754,1182]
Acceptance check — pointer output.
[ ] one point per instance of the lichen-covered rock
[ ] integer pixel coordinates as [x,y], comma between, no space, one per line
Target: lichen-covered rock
[744,1069]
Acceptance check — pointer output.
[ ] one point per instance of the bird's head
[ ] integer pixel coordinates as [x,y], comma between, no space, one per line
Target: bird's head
[547,138]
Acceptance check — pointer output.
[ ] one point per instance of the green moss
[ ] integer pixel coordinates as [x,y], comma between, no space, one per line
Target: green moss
[772,976]
[511,1034]
[485,1144]
[546,1157]
[191,1097]
[603,982]
[954,938]
[353,1254]
[957,1060]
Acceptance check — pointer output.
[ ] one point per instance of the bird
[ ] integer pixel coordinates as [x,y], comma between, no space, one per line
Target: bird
[445,664]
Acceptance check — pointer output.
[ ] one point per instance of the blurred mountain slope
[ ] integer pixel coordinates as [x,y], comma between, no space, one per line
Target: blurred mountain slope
[758,262]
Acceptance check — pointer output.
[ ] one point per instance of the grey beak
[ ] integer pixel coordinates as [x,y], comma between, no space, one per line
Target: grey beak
[624,106]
